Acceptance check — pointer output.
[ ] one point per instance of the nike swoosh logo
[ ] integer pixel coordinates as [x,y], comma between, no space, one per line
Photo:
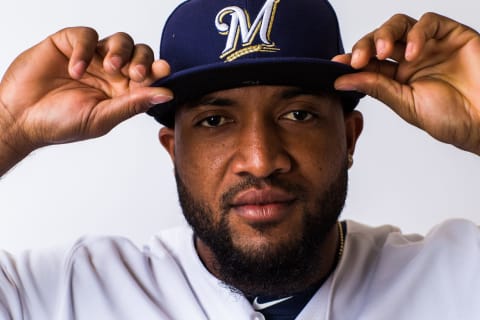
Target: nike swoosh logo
[260,306]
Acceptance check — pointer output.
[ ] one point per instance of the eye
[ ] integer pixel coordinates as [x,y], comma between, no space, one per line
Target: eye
[298,115]
[214,121]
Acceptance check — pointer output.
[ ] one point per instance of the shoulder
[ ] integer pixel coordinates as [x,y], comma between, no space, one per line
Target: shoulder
[105,250]
[451,232]
[452,247]
[386,252]
[383,267]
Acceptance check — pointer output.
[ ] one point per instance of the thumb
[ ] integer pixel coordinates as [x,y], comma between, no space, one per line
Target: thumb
[110,113]
[397,96]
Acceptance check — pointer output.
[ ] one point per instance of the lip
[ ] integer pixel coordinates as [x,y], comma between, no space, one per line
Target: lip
[263,206]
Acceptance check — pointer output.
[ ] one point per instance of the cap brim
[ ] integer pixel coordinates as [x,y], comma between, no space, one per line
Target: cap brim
[301,72]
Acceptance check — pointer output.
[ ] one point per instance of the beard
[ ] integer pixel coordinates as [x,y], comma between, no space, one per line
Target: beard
[275,269]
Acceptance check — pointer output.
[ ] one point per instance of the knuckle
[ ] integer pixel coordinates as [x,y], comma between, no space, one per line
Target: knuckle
[118,43]
[429,16]
[85,32]
[396,20]
[86,29]
[146,48]
[123,36]
[385,31]
[79,32]
[398,17]
[364,42]
[143,53]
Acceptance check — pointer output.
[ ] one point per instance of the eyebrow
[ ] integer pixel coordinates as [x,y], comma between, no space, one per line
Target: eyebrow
[290,93]
[295,92]
[210,100]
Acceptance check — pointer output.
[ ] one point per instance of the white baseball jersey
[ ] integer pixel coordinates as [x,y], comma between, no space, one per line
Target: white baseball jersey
[382,275]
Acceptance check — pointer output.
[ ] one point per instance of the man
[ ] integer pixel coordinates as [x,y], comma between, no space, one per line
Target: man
[261,148]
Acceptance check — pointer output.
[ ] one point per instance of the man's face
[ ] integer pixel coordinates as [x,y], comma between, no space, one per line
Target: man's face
[261,174]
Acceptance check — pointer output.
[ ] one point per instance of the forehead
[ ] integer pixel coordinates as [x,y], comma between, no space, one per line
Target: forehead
[259,94]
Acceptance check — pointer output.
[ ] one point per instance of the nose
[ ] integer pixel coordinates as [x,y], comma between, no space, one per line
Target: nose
[260,151]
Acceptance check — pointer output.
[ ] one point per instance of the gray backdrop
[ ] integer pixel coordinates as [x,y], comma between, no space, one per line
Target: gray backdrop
[123,184]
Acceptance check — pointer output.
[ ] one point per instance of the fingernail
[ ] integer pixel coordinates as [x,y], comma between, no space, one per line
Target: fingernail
[344,87]
[355,57]
[380,44]
[140,72]
[115,62]
[409,51]
[78,69]
[160,98]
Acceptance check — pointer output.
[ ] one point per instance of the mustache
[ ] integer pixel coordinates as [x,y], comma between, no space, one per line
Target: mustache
[252,182]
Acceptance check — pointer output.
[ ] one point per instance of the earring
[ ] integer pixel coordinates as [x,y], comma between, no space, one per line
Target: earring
[350,160]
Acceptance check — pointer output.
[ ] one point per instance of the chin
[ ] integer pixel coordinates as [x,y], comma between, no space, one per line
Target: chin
[264,239]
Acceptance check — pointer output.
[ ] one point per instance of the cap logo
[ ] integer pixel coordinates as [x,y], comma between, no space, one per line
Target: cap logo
[241,29]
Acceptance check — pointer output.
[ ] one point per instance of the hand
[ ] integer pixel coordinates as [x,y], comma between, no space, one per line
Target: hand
[71,87]
[431,78]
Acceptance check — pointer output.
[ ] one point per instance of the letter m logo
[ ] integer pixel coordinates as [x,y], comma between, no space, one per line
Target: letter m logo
[241,29]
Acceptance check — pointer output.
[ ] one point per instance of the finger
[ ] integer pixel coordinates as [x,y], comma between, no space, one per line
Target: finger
[430,26]
[141,63]
[78,44]
[111,112]
[343,58]
[392,32]
[160,69]
[117,51]
[362,51]
[383,42]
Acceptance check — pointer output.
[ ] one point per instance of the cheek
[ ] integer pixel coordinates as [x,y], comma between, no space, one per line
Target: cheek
[318,151]
[201,159]
[202,167]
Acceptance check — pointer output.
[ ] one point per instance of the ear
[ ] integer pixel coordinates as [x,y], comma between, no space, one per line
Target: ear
[353,129]
[167,139]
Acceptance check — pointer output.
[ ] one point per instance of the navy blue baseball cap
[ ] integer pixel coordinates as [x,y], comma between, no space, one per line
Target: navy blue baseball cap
[214,45]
